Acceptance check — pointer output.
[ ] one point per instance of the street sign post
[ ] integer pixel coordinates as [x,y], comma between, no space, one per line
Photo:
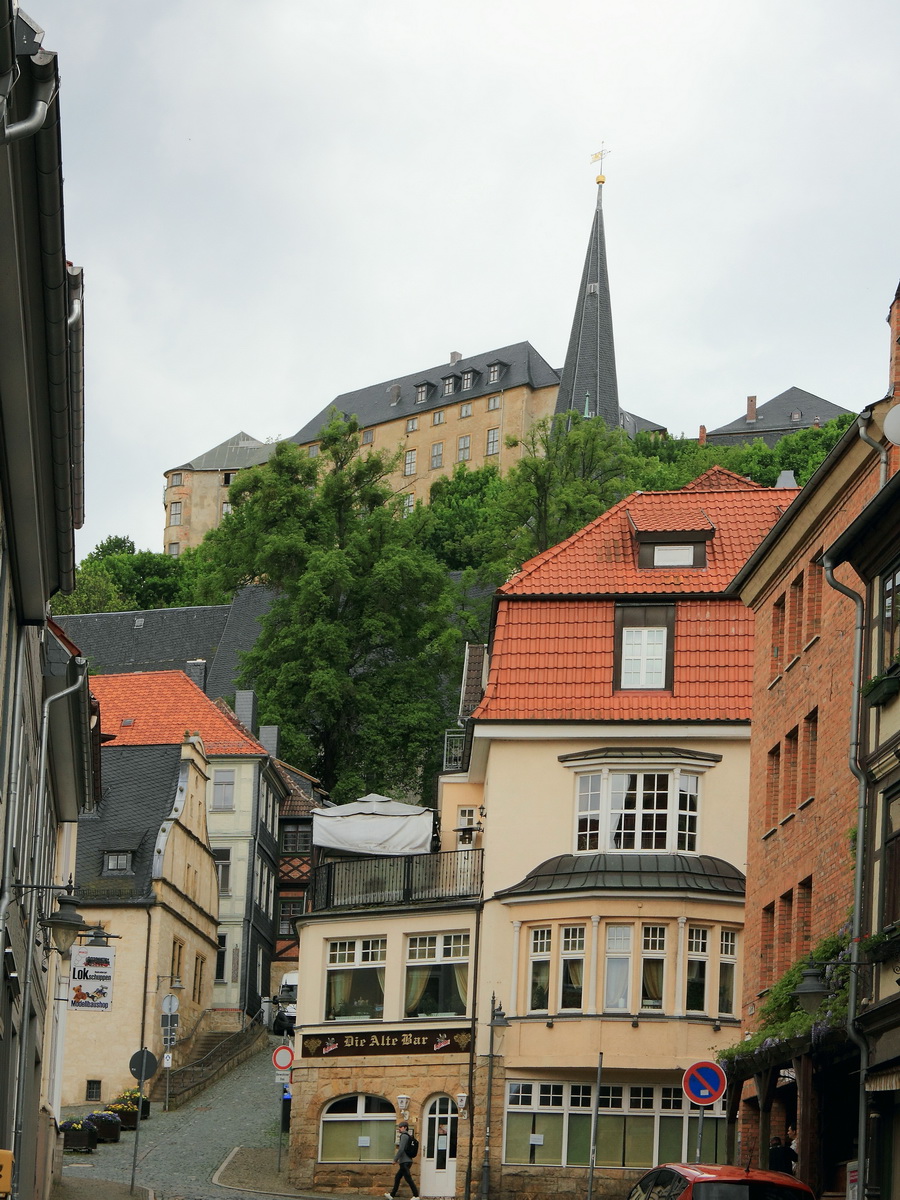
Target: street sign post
[283,1058]
[703,1083]
[282,1061]
[143,1065]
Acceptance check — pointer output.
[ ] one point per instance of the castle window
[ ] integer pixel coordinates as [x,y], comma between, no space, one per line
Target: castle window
[174,481]
[412,424]
[175,512]
[492,446]
[438,417]
[468,378]
[421,393]
[449,385]
[368,437]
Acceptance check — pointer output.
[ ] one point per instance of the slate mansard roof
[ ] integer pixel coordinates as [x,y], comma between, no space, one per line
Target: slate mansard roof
[630,872]
[521,366]
[162,708]
[138,795]
[553,649]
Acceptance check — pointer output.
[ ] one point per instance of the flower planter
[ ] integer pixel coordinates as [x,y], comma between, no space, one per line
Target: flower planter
[882,691]
[108,1126]
[128,1117]
[83,1140]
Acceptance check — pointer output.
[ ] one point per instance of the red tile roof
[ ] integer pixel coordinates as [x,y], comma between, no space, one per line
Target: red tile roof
[552,650]
[163,707]
[601,559]
[719,479]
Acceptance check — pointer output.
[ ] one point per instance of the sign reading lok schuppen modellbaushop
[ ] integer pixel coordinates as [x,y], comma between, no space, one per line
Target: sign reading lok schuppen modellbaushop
[393,1041]
[91,978]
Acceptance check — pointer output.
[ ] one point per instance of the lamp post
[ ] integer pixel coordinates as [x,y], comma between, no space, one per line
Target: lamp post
[498,1021]
[66,924]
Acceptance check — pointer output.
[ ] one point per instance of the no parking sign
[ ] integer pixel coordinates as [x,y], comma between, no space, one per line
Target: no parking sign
[704,1083]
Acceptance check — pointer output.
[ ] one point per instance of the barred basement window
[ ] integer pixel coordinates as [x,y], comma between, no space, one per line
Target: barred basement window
[92,1089]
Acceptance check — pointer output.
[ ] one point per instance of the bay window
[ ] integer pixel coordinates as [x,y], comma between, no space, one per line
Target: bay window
[539,982]
[571,967]
[697,945]
[637,810]
[653,966]
[618,968]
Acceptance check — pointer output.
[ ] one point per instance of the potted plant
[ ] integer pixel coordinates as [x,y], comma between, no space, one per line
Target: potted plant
[107,1124]
[79,1134]
[881,688]
[136,1097]
[125,1111]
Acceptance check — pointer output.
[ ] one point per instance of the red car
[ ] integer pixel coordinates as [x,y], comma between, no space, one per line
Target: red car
[699,1181]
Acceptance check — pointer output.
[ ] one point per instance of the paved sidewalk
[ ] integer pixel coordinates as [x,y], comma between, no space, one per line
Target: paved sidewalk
[180,1152]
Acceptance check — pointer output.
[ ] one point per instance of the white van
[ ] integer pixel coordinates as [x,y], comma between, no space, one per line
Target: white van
[286,1004]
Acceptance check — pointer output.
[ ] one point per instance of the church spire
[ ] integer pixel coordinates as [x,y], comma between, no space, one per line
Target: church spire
[589,376]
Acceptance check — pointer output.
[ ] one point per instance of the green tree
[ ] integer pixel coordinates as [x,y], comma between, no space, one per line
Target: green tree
[357,660]
[116,543]
[466,524]
[95,592]
[572,469]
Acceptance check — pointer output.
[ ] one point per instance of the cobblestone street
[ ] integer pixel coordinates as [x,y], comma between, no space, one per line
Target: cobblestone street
[180,1151]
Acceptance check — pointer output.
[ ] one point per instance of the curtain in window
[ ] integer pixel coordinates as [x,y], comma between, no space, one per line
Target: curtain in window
[653,983]
[338,992]
[461,979]
[416,982]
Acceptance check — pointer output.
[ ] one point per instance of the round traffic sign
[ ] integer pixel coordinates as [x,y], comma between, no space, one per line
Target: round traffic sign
[704,1083]
[170,1003]
[283,1058]
[143,1064]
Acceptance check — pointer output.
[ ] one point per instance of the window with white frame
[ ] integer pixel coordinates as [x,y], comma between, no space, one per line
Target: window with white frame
[727,969]
[412,424]
[437,455]
[492,445]
[222,858]
[673,556]
[465,410]
[354,988]
[438,417]
[618,968]
[637,810]
[571,967]
[549,1124]
[409,463]
[288,912]
[437,975]
[175,479]
[313,451]
[493,403]
[117,862]
[643,658]
[465,823]
[226,509]
[463,448]
[468,378]
[223,789]
[228,478]
[368,437]
[174,548]
[421,393]
[653,966]
[449,385]
[358,1128]
[175,512]
[697,957]
[493,373]
[409,503]
[539,969]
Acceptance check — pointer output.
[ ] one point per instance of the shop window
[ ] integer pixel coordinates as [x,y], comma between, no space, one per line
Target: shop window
[357,1129]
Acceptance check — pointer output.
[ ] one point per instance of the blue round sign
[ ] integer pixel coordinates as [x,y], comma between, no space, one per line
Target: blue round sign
[704,1083]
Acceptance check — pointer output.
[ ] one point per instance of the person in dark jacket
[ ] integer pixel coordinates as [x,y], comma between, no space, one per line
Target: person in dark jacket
[781,1158]
[403,1158]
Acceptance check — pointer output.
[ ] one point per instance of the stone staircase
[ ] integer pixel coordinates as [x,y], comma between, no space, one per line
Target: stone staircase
[213,1055]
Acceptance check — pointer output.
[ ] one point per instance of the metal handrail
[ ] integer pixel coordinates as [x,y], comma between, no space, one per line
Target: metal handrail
[202,1067]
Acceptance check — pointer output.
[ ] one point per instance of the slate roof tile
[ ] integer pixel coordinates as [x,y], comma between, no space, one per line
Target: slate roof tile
[162,708]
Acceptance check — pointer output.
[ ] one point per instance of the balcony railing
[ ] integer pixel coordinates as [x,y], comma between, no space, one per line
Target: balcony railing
[399,879]
[454,749]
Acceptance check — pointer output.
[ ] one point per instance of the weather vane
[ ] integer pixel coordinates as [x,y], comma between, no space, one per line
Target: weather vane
[599,157]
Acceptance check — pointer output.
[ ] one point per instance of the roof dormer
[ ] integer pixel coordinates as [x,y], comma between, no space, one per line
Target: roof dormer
[496,370]
[667,540]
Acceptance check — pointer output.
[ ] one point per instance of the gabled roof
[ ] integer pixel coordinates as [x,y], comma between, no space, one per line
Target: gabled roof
[160,708]
[720,479]
[394,398]
[240,450]
[774,418]
[164,639]
[601,559]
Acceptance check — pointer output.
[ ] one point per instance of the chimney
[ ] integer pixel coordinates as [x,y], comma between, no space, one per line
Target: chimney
[195,669]
[751,408]
[268,735]
[702,437]
[817,422]
[394,394]
[786,480]
[455,356]
[245,709]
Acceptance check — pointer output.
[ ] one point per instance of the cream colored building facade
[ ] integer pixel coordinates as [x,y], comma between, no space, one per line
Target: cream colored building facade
[164,934]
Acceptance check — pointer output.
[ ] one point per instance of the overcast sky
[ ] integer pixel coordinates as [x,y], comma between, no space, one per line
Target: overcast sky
[276,201]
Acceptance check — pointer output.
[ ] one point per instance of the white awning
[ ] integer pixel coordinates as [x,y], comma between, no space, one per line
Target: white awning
[883,1081]
[374,825]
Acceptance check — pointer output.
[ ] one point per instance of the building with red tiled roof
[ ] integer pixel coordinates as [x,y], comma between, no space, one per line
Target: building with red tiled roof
[244,794]
[605,780]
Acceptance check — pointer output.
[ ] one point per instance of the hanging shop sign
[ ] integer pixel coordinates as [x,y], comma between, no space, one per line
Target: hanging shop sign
[91,978]
[397,1041]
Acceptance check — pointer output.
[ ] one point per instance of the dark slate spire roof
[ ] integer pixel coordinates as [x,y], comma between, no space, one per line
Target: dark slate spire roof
[590,368]
[630,872]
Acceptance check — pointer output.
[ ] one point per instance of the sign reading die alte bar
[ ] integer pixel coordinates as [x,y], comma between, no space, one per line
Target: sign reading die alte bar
[390,1041]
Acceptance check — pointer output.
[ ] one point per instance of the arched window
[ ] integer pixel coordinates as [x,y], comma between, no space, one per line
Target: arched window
[357,1129]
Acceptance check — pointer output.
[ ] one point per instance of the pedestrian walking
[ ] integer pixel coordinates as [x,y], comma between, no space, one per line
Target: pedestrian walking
[403,1158]
[781,1158]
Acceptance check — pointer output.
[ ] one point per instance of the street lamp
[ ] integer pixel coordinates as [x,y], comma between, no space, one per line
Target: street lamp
[177,985]
[813,988]
[64,925]
[498,1021]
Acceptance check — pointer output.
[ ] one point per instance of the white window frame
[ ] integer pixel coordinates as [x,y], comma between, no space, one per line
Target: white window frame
[222,857]
[727,959]
[449,385]
[224,782]
[175,479]
[353,954]
[619,940]
[438,949]
[670,555]
[465,410]
[571,949]
[643,657]
[421,393]
[437,455]
[409,462]
[493,374]
[464,448]
[468,379]
[540,949]
[412,424]
[605,820]
[438,417]
[654,940]
[175,512]
[697,952]
[493,403]
[492,444]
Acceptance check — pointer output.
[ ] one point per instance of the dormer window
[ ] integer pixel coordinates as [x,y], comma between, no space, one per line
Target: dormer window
[449,385]
[494,371]
[116,863]
[468,380]
[673,556]
[643,653]
[421,393]
[795,415]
